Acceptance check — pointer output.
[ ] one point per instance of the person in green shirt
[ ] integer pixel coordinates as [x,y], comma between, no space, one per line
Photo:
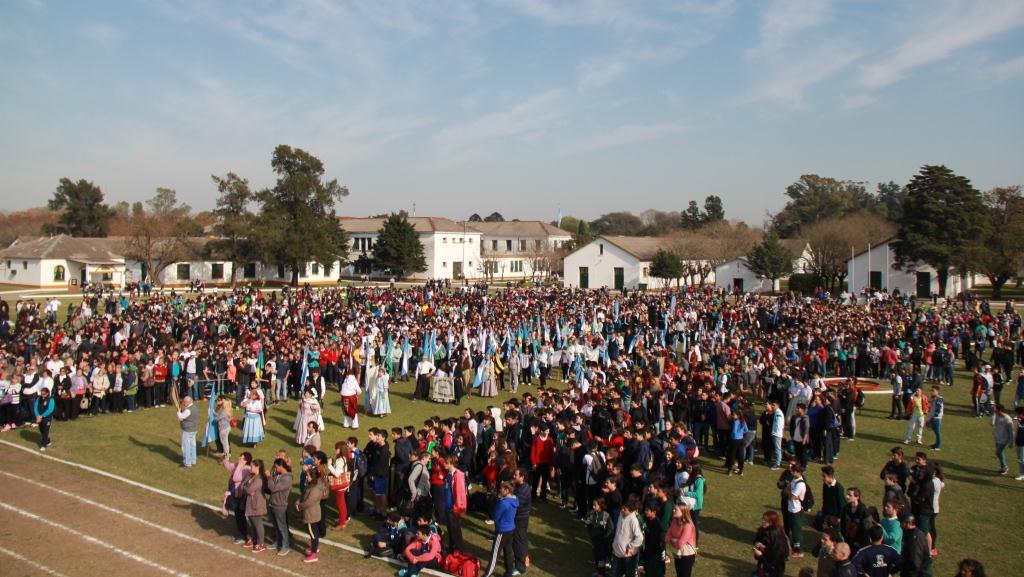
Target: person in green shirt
[131,385]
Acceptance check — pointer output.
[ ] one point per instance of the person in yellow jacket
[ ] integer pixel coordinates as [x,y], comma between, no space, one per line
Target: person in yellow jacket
[917,408]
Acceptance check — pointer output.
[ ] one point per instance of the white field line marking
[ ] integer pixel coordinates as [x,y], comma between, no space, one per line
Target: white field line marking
[148,523]
[184,499]
[93,540]
[31,563]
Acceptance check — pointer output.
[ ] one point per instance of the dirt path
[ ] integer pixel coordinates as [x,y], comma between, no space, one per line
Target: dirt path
[77,523]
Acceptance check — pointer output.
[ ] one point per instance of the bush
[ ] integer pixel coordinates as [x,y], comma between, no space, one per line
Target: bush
[805,283]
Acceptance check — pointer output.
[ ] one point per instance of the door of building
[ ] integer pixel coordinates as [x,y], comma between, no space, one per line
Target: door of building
[924,285]
[620,278]
[737,284]
[456,270]
[584,277]
[876,280]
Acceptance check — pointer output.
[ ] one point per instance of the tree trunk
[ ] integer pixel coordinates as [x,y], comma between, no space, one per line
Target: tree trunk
[997,284]
[943,277]
[295,274]
[234,270]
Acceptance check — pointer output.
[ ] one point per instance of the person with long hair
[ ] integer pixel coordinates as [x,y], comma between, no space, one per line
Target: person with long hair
[339,480]
[350,390]
[309,506]
[279,484]
[252,431]
[682,540]
[222,414]
[771,546]
[970,568]
[234,497]
[255,505]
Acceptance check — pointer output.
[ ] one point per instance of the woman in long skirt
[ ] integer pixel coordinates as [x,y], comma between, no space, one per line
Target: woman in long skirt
[309,411]
[381,400]
[488,388]
[252,432]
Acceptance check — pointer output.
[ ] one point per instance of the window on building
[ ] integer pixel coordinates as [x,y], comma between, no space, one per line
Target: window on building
[9,262]
[647,272]
[316,268]
[522,245]
[600,248]
[217,271]
[280,271]
[508,245]
[58,273]
[516,266]
[494,246]
[444,240]
[444,264]
[250,270]
[107,277]
[538,244]
[184,271]
[24,265]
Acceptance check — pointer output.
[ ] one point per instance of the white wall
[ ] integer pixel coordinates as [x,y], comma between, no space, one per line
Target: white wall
[736,268]
[881,259]
[601,267]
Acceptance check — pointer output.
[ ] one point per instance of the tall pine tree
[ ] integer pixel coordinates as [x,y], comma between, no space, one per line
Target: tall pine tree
[82,210]
[942,213]
[770,259]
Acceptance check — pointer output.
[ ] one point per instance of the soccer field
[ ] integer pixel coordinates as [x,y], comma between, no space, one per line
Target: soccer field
[976,503]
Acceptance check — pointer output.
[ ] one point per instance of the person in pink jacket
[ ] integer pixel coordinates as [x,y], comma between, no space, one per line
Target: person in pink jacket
[424,552]
[455,503]
[234,497]
[681,538]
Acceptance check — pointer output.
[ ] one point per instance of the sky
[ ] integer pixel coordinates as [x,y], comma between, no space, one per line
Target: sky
[525,107]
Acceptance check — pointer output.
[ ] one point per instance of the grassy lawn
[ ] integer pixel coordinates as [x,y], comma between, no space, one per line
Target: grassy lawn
[144,446]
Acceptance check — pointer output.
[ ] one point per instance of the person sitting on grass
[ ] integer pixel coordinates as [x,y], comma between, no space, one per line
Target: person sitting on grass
[387,540]
[424,552]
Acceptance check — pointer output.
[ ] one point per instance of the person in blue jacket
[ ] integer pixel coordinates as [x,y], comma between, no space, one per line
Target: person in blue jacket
[504,528]
[42,408]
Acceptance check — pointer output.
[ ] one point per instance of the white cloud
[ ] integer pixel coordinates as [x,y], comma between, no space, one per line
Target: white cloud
[100,33]
[598,73]
[938,33]
[856,101]
[782,22]
[1009,69]
[623,135]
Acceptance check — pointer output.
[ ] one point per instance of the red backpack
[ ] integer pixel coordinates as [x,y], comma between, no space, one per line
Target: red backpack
[462,564]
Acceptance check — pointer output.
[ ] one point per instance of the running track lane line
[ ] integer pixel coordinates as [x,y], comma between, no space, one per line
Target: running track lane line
[156,526]
[93,540]
[184,499]
[31,563]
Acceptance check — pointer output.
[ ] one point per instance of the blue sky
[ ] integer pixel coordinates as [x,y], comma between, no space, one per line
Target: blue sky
[520,106]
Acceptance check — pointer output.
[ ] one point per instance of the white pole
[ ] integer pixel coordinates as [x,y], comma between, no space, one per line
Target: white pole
[869,266]
[853,272]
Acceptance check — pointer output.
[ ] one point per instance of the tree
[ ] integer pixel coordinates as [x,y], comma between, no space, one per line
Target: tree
[235,229]
[691,218]
[770,259]
[713,209]
[156,237]
[618,223]
[398,248]
[998,253]
[813,198]
[583,236]
[890,198]
[31,222]
[82,210]
[494,217]
[658,222]
[297,220]
[832,239]
[940,216]
[475,218]
[666,266]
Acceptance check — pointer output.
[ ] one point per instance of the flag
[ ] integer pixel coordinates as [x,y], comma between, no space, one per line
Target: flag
[305,368]
[259,364]
[632,343]
[558,220]
[672,305]
[211,420]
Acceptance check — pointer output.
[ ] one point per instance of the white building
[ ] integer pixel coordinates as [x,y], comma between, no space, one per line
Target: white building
[616,262]
[734,274]
[452,250]
[61,261]
[875,267]
[520,249]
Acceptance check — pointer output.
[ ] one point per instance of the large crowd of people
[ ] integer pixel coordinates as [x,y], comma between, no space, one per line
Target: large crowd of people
[618,399]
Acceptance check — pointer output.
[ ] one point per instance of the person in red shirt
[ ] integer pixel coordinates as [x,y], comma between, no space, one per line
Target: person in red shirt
[437,475]
[542,457]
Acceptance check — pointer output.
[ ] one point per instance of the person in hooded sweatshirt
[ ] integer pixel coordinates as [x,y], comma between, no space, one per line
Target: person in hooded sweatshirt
[504,527]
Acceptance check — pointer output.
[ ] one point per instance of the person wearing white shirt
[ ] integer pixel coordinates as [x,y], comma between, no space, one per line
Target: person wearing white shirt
[778,430]
[793,516]
[350,390]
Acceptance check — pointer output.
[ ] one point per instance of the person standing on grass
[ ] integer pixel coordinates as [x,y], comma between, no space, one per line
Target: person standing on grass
[309,506]
[188,418]
[504,527]
[628,539]
[1002,434]
[455,503]
[681,538]
[42,409]
[279,484]
[778,428]
[917,408]
[771,547]
[521,535]
[350,390]
[793,514]
[339,480]
[936,411]
[877,559]
[255,505]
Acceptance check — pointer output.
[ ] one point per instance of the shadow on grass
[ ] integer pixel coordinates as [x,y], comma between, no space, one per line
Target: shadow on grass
[723,528]
[32,435]
[163,450]
[210,520]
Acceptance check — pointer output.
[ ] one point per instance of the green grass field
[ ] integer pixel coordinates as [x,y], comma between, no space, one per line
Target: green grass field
[979,508]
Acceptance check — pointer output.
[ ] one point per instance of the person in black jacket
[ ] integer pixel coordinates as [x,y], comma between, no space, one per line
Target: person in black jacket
[843,567]
[520,537]
[771,546]
[855,520]
[921,491]
[917,559]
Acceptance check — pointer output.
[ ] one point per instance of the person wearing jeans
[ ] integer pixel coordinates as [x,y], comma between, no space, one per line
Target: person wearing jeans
[778,429]
[1002,435]
[935,413]
[188,418]
[279,483]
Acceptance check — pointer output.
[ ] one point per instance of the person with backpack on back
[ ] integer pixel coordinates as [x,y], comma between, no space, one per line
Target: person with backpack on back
[800,499]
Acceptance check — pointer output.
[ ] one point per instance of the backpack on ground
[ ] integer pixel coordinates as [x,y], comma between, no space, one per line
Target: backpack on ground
[462,564]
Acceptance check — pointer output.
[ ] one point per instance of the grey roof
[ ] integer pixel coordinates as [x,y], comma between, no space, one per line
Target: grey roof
[518,228]
[422,224]
[642,247]
[91,250]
